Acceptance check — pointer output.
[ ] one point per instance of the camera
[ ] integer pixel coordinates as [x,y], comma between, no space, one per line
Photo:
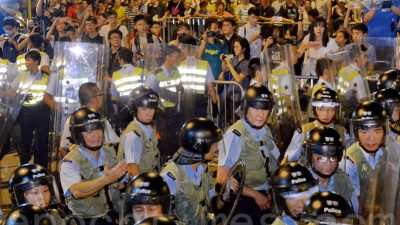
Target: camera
[181,37]
[386,4]
[211,34]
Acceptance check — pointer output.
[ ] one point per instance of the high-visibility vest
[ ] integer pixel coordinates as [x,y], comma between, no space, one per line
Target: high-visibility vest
[37,90]
[169,83]
[193,77]
[3,70]
[125,83]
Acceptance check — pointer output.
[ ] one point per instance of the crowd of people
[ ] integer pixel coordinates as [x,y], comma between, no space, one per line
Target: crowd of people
[147,144]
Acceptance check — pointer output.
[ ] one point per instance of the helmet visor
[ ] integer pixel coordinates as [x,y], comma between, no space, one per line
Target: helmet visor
[42,192]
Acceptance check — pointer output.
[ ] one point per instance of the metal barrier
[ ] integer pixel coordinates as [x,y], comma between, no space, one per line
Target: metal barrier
[170,25]
[227,112]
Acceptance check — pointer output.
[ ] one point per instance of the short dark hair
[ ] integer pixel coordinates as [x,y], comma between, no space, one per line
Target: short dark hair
[65,38]
[146,19]
[254,65]
[34,55]
[125,54]
[231,21]
[313,12]
[115,31]
[188,39]
[321,65]
[111,13]
[36,40]
[254,11]
[92,19]
[69,28]
[10,21]
[86,92]
[361,27]
[209,22]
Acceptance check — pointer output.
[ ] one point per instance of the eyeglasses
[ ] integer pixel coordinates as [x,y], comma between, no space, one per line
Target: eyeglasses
[101,94]
[323,159]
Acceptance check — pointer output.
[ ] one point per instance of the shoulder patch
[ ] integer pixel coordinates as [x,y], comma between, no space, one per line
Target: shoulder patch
[171,176]
[348,158]
[137,133]
[237,132]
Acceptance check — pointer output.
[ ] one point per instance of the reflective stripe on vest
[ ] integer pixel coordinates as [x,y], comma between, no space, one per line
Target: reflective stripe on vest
[169,83]
[37,90]
[125,83]
[193,77]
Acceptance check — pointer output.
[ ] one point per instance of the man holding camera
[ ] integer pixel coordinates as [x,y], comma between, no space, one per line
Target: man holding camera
[388,11]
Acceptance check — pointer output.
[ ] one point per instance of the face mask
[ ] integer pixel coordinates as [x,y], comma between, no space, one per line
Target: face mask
[9,32]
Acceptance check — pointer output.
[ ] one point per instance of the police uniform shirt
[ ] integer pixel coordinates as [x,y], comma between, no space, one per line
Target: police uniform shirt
[352,171]
[126,69]
[110,137]
[195,179]
[152,80]
[331,185]
[294,150]
[69,172]
[133,143]
[230,154]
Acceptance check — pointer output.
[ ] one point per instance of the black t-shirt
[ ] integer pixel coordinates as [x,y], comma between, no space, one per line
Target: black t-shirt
[159,10]
[289,12]
[267,12]
[96,40]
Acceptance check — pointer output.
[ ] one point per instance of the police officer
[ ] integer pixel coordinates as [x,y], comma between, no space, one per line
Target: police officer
[160,220]
[250,140]
[91,96]
[366,156]
[389,79]
[147,195]
[90,171]
[324,150]
[327,208]
[35,43]
[292,185]
[29,215]
[166,80]
[187,174]
[35,112]
[123,82]
[138,144]
[390,100]
[325,105]
[32,184]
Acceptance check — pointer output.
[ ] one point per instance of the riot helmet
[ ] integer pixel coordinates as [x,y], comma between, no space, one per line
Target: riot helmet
[368,115]
[85,119]
[390,100]
[256,96]
[160,220]
[146,189]
[31,183]
[196,137]
[328,208]
[292,181]
[389,79]
[325,99]
[327,144]
[143,97]
[29,215]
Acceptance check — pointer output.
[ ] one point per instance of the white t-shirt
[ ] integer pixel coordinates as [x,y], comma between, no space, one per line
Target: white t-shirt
[242,12]
[312,54]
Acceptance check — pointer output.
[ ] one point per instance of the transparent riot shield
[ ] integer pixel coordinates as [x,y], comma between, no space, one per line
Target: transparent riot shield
[236,177]
[381,57]
[193,73]
[161,74]
[352,85]
[388,185]
[277,66]
[74,64]
[13,89]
